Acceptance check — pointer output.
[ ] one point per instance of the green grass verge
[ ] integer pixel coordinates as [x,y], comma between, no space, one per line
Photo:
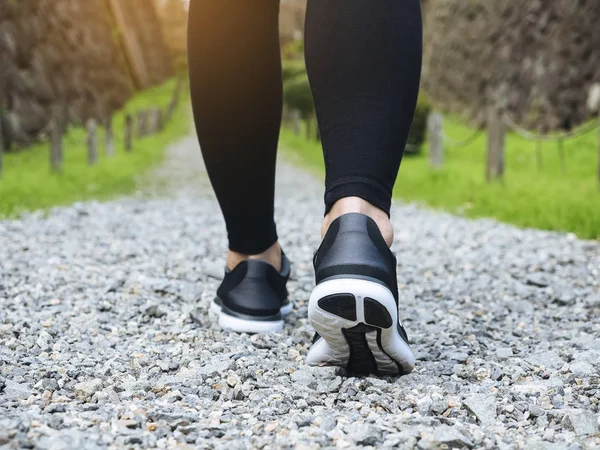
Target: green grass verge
[28,184]
[542,198]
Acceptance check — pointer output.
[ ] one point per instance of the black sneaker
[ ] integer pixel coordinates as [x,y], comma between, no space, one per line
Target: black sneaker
[354,306]
[253,297]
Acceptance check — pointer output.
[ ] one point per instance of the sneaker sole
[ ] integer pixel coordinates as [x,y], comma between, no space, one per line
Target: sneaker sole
[357,320]
[240,325]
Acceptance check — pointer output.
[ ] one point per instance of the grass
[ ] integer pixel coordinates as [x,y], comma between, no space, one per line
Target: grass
[28,184]
[542,198]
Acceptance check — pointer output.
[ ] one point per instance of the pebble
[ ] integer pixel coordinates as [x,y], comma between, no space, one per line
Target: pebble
[583,369]
[451,437]
[504,352]
[86,389]
[582,422]
[483,406]
[424,405]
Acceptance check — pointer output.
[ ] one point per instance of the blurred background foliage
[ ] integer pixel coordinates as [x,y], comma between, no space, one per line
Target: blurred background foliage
[90,56]
[94,61]
[539,59]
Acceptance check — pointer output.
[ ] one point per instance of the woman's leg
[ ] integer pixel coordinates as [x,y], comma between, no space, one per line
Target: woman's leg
[364,63]
[236,88]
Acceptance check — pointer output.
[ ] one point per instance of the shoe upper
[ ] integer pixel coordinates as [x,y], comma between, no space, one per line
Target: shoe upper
[353,245]
[255,288]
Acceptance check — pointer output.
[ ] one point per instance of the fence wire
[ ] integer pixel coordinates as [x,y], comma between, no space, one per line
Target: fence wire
[526,134]
[458,144]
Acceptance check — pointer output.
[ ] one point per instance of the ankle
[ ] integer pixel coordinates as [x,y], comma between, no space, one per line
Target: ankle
[272,255]
[358,205]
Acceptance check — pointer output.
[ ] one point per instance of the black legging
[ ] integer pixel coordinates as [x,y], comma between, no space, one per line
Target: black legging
[364,62]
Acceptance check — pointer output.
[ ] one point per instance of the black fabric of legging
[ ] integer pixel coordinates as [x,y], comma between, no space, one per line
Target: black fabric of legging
[363,60]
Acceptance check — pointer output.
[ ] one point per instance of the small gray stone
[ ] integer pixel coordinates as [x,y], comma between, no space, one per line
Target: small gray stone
[439,406]
[424,405]
[365,435]
[565,299]
[537,444]
[549,359]
[538,386]
[548,435]
[328,423]
[536,411]
[53,408]
[582,422]
[172,416]
[537,280]
[155,311]
[583,369]
[329,386]
[483,406]
[504,352]
[67,440]
[16,391]
[457,356]
[304,377]
[134,440]
[218,364]
[87,389]
[451,437]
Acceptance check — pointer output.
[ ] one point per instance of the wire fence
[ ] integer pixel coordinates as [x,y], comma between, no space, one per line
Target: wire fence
[497,124]
[145,122]
[462,143]
[531,136]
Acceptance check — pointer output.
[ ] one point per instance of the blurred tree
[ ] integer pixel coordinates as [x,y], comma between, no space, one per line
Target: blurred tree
[291,27]
[547,53]
[173,18]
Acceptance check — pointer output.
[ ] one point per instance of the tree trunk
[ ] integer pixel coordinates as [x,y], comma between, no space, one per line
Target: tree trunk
[436,148]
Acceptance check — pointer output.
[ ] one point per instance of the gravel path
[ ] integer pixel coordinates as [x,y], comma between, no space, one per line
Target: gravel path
[106,339]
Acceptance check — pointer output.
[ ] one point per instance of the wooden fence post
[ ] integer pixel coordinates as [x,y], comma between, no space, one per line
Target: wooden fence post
[285,115]
[561,155]
[171,109]
[1,147]
[109,144]
[160,125]
[436,139]
[309,124]
[92,147]
[128,135]
[599,150]
[142,123]
[295,115]
[56,134]
[149,122]
[495,144]
[154,121]
[174,99]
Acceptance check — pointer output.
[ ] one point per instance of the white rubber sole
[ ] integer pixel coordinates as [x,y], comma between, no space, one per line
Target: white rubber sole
[358,324]
[240,325]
